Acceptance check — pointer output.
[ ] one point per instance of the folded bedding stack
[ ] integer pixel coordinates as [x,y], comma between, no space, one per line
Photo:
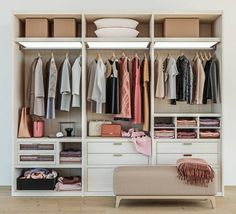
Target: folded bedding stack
[70,155]
[165,125]
[186,123]
[186,134]
[116,27]
[69,184]
[164,134]
[209,122]
[209,134]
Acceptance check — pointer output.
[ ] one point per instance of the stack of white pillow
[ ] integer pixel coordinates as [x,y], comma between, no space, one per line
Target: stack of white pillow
[116,27]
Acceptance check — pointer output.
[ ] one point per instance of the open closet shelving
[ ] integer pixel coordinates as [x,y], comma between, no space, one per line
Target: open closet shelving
[101,155]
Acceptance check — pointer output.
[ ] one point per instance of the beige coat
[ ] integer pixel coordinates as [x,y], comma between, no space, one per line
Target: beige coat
[198,80]
[160,85]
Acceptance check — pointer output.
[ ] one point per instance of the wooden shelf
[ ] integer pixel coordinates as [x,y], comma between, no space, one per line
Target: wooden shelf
[49,139]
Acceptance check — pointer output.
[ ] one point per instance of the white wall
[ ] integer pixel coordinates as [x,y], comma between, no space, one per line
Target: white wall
[229,56]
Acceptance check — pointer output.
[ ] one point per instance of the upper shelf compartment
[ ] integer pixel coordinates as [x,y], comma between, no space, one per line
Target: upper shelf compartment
[187,31]
[48,25]
[113,31]
[176,25]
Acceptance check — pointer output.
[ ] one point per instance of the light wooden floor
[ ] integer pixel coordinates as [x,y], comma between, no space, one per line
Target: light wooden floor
[105,205]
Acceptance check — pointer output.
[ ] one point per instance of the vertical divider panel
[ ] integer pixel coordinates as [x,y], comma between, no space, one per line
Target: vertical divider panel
[83,113]
[151,27]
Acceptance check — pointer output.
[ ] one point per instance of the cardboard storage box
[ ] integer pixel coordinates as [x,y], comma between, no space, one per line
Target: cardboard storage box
[179,27]
[64,28]
[36,27]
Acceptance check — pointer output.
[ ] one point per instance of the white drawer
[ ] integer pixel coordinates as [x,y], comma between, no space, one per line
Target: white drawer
[111,147]
[117,159]
[171,159]
[36,148]
[100,179]
[42,159]
[177,147]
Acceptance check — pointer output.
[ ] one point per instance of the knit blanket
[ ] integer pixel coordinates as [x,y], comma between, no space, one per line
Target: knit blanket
[195,171]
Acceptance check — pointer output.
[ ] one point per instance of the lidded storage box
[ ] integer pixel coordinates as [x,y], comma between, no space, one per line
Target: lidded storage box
[36,27]
[181,27]
[64,27]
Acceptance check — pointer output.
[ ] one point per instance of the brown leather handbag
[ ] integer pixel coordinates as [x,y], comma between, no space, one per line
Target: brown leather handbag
[111,130]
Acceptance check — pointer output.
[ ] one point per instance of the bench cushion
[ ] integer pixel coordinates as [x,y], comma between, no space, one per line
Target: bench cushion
[155,180]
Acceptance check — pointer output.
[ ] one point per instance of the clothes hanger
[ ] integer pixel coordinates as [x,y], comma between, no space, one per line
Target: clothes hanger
[39,54]
[209,55]
[52,56]
[98,56]
[67,54]
[123,55]
[205,55]
[202,57]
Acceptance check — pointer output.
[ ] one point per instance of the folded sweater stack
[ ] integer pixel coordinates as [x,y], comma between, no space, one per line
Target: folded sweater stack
[209,134]
[186,134]
[164,134]
[70,156]
[186,123]
[209,122]
[69,184]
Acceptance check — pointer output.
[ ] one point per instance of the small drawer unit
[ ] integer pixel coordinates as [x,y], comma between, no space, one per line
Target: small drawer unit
[187,147]
[111,147]
[117,159]
[36,147]
[36,159]
[171,159]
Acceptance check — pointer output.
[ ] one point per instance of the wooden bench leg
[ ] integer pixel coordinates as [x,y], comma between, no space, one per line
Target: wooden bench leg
[118,199]
[213,202]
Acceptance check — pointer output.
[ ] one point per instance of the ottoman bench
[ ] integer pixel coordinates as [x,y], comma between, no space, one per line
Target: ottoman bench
[157,182]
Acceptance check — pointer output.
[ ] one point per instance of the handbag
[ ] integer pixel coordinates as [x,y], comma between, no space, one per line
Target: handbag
[95,127]
[24,126]
[38,130]
[111,130]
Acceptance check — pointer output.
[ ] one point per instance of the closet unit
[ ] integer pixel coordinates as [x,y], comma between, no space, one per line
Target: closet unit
[100,155]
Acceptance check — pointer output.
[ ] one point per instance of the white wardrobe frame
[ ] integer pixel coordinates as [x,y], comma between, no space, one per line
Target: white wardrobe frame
[17,61]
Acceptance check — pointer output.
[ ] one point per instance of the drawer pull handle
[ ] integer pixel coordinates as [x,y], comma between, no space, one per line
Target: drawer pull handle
[117,144]
[117,155]
[187,155]
[187,144]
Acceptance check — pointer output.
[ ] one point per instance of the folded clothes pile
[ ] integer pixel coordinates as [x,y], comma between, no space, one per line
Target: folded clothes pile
[164,134]
[161,124]
[209,122]
[70,155]
[39,173]
[186,134]
[209,134]
[186,123]
[69,184]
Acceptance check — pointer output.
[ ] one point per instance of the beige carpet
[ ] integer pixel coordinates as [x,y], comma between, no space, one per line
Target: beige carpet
[105,205]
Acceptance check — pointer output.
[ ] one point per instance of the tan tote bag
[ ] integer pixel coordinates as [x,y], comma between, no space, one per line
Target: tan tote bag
[24,130]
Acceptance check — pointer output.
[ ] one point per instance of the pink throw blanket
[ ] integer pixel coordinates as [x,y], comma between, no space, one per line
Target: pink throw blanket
[142,142]
[195,171]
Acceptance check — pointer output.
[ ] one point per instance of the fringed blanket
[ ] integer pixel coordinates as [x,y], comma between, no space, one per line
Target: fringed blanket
[195,171]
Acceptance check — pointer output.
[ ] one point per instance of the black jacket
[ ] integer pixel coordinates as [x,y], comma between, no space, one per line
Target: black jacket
[212,81]
[184,80]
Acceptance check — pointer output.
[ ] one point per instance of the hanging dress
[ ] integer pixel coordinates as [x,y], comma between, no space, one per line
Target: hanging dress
[51,84]
[39,95]
[112,87]
[125,101]
[76,76]
[97,85]
[136,92]
[160,85]
[64,89]
[146,113]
